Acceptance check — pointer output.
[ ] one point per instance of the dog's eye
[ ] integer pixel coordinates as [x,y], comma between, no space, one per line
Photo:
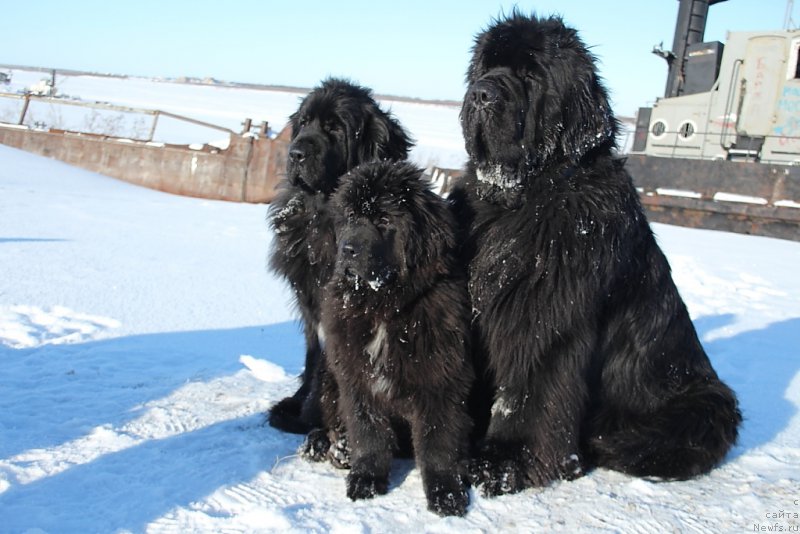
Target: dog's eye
[332,127]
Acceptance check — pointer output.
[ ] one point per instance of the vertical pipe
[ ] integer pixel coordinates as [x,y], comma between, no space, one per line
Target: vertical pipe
[689,29]
[24,109]
[153,128]
[247,161]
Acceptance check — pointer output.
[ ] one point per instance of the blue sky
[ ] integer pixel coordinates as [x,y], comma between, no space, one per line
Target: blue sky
[417,48]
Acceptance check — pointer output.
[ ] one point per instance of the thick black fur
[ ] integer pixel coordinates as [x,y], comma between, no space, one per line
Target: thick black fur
[396,322]
[591,357]
[337,126]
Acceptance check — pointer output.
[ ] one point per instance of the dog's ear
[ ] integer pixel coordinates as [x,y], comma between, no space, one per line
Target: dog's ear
[575,115]
[398,142]
[382,138]
[588,119]
[585,109]
[435,224]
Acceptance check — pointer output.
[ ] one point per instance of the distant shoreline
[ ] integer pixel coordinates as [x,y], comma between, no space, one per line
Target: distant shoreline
[213,82]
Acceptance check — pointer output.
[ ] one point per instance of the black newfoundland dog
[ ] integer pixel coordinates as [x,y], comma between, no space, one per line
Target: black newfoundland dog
[338,126]
[396,322]
[589,352]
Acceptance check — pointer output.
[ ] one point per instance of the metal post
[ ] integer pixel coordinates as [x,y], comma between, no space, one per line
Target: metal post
[153,128]
[24,109]
[248,159]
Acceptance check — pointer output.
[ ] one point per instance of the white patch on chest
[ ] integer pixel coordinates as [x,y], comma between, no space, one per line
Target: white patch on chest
[376,350]
[321,336]
[502,407]
[381,386]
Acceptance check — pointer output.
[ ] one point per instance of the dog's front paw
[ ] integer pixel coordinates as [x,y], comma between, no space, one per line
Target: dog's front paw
[364,486]
[497,477]
[339,452]
[316,446]
[447,494]
[544,469]
[286,416]
[572,467]
[500,469]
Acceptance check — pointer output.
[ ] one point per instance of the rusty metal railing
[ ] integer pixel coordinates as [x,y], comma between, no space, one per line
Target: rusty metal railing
[102,106]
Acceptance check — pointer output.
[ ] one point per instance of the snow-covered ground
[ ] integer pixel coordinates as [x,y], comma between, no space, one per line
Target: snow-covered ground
[142,339]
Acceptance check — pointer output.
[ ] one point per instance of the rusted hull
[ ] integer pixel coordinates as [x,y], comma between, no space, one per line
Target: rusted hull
[747,198]
[684,212]
[247,171]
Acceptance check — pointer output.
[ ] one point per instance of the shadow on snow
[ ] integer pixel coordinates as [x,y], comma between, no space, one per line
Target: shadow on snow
[54,394]
[108,382]
[759,366]
[132,487]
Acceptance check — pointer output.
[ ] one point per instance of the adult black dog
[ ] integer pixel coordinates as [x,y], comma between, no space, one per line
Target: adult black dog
[337,126]
[396,324]
[590,353]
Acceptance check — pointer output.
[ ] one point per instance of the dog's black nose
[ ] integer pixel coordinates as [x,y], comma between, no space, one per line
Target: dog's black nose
[482,94]
[297,155]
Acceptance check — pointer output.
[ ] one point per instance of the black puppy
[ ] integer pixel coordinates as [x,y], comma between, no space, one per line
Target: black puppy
[338,126]
[396,322]
[591,357]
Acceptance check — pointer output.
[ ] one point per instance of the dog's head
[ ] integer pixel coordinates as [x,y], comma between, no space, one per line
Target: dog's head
[534,99]
[393,233]
[338,126]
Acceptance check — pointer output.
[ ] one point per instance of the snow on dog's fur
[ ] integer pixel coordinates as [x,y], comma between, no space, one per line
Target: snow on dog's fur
[396,320]
[337,126]
[591,356]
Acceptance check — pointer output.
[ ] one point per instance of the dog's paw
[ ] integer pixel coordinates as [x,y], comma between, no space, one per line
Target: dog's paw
[500,469]
[543,470]
[572,467]
[447,494]
[364,486]
[497,477]
[339,452]
[286,416]
[316,446]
